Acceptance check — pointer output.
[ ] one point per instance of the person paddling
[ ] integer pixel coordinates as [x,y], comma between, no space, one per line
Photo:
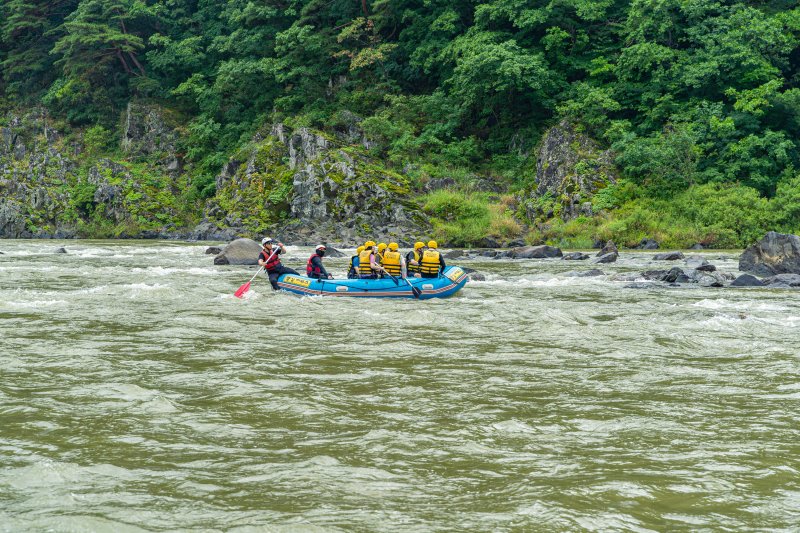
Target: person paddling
[268,258]
[314,268]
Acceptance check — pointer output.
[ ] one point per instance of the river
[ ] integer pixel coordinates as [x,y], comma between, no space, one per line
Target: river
[137,394]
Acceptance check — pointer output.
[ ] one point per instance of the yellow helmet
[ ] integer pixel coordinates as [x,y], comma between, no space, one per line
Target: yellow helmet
[359,249]
[369,244]
[381,246]
[393,246]
[432,244]
[419,244]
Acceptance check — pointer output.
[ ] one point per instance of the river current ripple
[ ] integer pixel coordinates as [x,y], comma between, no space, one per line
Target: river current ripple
[137,394]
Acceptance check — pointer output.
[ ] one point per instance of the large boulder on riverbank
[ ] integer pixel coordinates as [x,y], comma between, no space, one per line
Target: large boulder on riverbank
[239,252]
[776,253]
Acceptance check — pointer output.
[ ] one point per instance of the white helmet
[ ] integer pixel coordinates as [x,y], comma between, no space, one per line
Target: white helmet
[266,240]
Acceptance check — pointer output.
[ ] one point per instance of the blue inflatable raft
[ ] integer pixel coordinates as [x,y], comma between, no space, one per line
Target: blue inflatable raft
[447,284]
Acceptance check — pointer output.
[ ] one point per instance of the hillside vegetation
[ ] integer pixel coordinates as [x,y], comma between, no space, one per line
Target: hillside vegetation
[697,101]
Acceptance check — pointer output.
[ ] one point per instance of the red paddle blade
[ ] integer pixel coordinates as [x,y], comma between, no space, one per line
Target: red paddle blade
[243,289]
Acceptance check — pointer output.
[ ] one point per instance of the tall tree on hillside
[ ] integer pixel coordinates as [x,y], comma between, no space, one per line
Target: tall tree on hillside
[28,30]
[99,54]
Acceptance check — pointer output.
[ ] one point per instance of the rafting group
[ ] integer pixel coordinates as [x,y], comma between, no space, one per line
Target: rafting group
[376,270]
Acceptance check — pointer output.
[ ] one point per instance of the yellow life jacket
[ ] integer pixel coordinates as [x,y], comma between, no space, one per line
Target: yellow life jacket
[363,263]
[379,257]
[430,262]
[409,266]
[391,262]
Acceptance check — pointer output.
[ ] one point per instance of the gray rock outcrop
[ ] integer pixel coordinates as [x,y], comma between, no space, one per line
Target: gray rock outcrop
[570,168]
[146,132]
[775,253]
[326,190]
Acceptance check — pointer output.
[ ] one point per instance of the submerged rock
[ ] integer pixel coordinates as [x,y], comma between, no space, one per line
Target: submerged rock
[747,280]
[473,274]
[699,263]
[575,256]
[783,281]
[669,256]
[585,273]
[60,250]
[776,253]
[239,252]
[215,250]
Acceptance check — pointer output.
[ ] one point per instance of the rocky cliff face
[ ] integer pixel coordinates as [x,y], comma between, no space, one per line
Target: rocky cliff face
[34,166]
[303,185]
[570,168]
[49,186]
[310,187]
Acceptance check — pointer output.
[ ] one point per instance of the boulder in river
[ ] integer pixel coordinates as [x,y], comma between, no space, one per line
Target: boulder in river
[213,250]
[535,252]
[60,250]
[669,256]
[239,252]
[453,254]
[575,256]
[675,275]
[776,253]
[610,257]
[747,280]
[609,247]
[707,279]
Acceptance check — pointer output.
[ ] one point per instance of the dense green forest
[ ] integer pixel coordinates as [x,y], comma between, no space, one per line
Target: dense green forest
[699,100]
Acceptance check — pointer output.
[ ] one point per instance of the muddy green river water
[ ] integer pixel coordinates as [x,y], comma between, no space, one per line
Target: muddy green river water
[137,394]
